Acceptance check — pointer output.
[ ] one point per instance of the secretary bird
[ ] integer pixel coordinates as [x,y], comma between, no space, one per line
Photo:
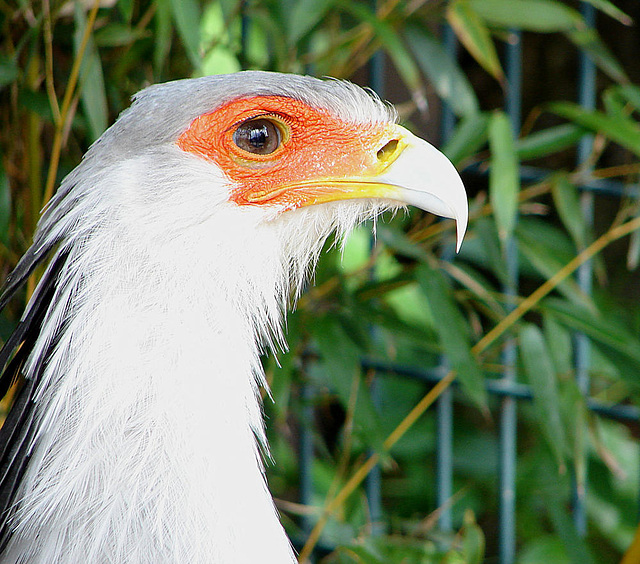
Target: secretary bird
[173,248]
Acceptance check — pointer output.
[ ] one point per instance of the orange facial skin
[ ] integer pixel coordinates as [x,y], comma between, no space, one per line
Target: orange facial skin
[317,151]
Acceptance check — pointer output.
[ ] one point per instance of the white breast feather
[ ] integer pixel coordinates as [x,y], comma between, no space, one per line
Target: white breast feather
[170,300]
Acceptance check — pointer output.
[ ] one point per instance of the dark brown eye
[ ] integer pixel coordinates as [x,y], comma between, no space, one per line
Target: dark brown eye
[257,136]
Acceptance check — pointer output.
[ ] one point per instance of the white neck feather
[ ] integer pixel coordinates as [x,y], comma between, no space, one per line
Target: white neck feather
[149,407]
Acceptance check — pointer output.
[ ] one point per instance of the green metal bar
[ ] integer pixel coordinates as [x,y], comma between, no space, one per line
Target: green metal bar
[508,414]
[373,483]
[305,457]
[444,405]
[499,387]
[582,346]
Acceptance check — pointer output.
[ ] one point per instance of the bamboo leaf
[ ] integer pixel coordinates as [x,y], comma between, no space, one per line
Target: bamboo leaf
[567,202]
[504,178]
[443,71]
[220,58]
[475,36]
[547,548]
[548,259]
[473,541]
[613,339]
[544,386]
[607,7]
[391,42]
[548,141]
[92,88]
[453,331]
[588,40]
[622,130]
[8,70]
[163,34]
[543,16]
[559,341]
[117,35]
[338,365]
[305,15]
[186,14]
[631,93]
[614,103]
[489,244]
[231,8]
[469,137]
[565,527]
[126,9]
[399,242]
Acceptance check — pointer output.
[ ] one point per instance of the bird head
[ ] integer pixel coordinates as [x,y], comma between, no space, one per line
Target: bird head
[254,170]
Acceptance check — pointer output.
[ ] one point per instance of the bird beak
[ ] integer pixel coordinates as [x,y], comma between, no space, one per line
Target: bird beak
[407,170]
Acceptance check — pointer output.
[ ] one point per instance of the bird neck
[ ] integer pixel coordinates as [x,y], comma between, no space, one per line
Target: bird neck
[150,408]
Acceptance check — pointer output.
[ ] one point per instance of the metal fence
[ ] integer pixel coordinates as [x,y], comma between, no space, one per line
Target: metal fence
[507,388]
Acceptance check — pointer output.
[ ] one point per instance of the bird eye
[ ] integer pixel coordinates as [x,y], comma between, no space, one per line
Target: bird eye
[257,136]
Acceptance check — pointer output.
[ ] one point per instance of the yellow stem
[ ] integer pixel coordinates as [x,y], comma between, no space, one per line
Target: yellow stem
[48,50]
[66,104]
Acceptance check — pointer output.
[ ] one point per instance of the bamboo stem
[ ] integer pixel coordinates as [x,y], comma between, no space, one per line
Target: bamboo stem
[66,104]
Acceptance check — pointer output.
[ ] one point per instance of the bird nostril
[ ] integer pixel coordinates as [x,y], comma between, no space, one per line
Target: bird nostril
[389,149]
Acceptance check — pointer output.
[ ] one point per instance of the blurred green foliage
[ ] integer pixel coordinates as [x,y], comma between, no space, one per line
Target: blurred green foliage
[400,302]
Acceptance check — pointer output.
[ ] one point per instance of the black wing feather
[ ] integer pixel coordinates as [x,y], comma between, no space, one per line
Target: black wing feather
[16,458]
[26,265]
[18,428]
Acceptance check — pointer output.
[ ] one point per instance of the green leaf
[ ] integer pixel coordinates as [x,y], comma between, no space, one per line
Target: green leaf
[220,58]
[613,338]
[504,176]
[305,15]
[38,103]
[614,103]
[163,35]
[469,136]
[631,93]
[589,41]
[560,345]
[548,141]
[454,333]
[542,16]
[186,14]
[126,9]
[612,11]
[337,367]
[542,379]
[548,548]
[454,557]
[399,242]
[489,242]
[117,35]
[8,70]
[443,71]
[567,203]
[5,205]
[362,554]
[623,131]
[575,546]
[473,542]
[92,89]
[548,257]
[388,37]
[232,8]
[475,36]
